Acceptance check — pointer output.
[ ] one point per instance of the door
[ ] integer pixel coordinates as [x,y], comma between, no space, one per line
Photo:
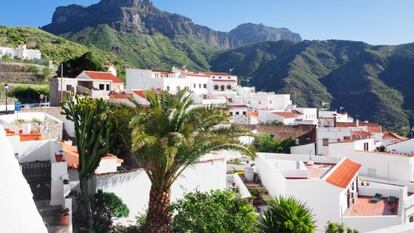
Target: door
[38,175]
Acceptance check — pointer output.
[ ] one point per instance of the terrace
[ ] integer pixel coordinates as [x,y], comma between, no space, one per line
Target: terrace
[366,205]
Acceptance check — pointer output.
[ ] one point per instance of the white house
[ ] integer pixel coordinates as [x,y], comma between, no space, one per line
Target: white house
[286,118]
[21,52]
[91,83]
[332,191]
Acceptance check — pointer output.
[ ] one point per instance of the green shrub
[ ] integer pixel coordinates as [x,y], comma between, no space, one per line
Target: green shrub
[213,212]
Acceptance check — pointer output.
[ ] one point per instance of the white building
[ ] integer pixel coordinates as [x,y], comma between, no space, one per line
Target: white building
[91,83]
[333,192]
[21,52]
[339,117]
[202,84]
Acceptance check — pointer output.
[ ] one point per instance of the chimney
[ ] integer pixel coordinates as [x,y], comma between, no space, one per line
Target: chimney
[357,123]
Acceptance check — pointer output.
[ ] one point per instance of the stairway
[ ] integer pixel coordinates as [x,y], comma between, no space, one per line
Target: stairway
[50,215]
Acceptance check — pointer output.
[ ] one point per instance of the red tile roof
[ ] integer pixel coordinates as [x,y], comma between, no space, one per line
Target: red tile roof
[119,96]
[219,73]
[343,173]
[195,74]
[391,135]
[140,93]
[372,127]
[286,114]
[103,76]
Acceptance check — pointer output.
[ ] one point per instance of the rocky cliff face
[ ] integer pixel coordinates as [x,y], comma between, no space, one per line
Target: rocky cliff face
[142,17]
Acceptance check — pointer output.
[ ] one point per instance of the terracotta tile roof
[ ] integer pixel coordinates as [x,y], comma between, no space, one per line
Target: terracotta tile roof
[195,74]
[120,96]
[286,114]
[103,76]
[140,93]
[305,133]
[372,127]
[253,114]
[391,135]
[343,173]
[219,73]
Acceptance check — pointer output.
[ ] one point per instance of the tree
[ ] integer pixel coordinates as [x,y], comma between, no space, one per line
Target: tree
[75,66]
[168,137]
[286,215]
[93,126]
[332,227]
[105,207]
[213,212]
[266,143]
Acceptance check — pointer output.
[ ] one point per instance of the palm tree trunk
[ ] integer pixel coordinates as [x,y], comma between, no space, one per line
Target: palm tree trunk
[159,218]
[86,201]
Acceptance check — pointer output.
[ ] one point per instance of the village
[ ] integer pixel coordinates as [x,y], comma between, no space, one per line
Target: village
[347,170]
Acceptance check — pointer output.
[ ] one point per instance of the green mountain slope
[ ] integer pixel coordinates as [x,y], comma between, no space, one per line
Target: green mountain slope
[54,48]
[371,82]
[146,51]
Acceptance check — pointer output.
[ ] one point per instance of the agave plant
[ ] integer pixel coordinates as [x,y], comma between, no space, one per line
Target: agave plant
[171,135]
[286,215]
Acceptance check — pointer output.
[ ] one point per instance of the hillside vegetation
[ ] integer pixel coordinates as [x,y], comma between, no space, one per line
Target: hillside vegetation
[54,48]
[371,82]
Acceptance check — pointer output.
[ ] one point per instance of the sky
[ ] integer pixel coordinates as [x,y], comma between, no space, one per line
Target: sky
[371,21]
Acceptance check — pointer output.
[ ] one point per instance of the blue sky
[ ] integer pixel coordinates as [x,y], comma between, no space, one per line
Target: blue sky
[372,21]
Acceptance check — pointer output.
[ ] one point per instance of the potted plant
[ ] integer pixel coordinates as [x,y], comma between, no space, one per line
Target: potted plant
[64,217]
[59,156]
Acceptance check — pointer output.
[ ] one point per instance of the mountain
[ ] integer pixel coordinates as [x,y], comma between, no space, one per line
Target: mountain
[54,48]
[148,37]
[250,33]
[371,82]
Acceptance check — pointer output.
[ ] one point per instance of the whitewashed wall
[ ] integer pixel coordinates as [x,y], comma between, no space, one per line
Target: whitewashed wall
[133,187]
[303,149]
[402,147]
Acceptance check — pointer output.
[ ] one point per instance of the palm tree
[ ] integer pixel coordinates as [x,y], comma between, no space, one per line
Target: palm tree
[286,215]
[93,126]
[168,137]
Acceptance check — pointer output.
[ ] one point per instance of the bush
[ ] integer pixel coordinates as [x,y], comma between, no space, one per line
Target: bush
[27,94]
[266,143]
[106,206]
[213,212]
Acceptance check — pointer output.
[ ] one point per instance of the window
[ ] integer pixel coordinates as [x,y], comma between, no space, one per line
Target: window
[237,113]
[347,138]
[260,102]
[205,86]
[168,88]
[411,219]
[228,77]
[194,85]
[228,87]
[199,85]
[366,147]
[231,113]
[107,87]
[222,87]
[244,113]
[248,102]
[270,102]
[325,142]
[101,86]
[216,87]
[219,77]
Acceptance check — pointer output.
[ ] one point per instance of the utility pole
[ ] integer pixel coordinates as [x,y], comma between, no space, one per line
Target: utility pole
[61,81]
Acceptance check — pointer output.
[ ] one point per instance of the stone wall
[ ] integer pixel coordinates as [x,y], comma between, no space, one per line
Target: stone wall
[51,128]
